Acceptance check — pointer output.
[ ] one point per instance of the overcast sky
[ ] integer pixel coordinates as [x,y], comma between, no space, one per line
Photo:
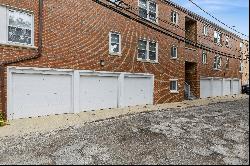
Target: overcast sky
[231,12]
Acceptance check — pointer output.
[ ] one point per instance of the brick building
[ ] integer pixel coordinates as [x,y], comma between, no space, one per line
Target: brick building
[83,55]
[245,64]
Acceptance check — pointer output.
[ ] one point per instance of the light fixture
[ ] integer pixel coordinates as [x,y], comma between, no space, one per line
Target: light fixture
[102,62]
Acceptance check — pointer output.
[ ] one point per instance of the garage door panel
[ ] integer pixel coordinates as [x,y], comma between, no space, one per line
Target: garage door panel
[227,87]
[39,95]
[236,85]
[217,87]
[98,92]
[205,88]
[137,91]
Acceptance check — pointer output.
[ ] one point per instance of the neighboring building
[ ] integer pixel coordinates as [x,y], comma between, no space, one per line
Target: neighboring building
[245,65]
[97,54]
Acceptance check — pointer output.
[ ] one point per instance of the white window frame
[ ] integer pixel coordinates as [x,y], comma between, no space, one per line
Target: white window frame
[205,30]
[176,22]
[218,62]
[120,47]
[147,49]
[176,90]
[7,28]
[147,3]
[218,36]
[176,56]
[227,66]
[227,41]
[241,67]
[204,54]
[241,46]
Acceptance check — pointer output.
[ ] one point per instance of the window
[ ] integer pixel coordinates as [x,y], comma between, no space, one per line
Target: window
[205,30]
[227,63]
[241,46]
[173,85]
[148,9]
[147,50]
[20,27]
[227,41]
[204,56]
[116,1]
[174,17]
[217,62]
[241,67]
[217,37]
[174,52]
[114,43]
[152,51]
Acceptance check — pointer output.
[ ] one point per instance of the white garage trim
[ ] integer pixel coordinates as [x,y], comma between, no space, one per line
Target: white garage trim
[222,86]
[75,85]
[18,70]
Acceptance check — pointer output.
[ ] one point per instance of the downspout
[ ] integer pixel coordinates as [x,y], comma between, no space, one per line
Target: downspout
[22,59]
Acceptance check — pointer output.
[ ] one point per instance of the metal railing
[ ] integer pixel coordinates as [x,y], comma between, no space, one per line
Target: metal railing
[187,90]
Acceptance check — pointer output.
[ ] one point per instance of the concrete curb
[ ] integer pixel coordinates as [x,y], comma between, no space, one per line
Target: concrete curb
[55,122]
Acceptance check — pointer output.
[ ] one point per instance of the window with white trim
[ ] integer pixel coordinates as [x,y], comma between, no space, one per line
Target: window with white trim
[227,41]
[205,30]
[204,56]
[147,50]
[174,17]
[241,66]
[217,37]
[227,63]
[114,43]
[173,85]
[148,9]
[174,52]
[217,62]
[241,46]
[19,27]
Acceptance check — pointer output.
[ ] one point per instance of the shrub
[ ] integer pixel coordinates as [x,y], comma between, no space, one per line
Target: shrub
[2,123]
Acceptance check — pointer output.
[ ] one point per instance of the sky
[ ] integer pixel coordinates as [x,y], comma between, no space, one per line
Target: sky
[231,12]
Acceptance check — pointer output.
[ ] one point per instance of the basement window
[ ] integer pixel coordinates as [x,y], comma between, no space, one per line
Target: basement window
[217,62]
[147,50]
[20,27]
[114,43]
[174,86]
[148,10]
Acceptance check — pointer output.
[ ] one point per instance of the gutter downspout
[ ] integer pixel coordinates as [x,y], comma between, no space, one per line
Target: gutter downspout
[22,59]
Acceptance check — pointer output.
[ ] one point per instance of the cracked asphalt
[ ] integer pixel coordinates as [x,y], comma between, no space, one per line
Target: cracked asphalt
[215,134]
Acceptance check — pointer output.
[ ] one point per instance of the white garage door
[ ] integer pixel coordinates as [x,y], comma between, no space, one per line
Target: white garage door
[98,92]
[227,87]
[38,95]
[205,88]
[138,91]
[217,87]
[236,89]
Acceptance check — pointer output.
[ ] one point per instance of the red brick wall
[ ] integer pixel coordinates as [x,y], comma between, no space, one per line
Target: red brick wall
[75,36]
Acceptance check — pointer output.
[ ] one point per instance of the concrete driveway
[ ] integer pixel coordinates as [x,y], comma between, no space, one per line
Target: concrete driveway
[216,133]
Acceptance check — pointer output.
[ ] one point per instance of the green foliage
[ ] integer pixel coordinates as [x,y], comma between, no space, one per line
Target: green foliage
[2,123]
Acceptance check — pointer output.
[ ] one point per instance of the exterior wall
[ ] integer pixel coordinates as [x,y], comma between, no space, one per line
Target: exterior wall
[75,36]
[245,74]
